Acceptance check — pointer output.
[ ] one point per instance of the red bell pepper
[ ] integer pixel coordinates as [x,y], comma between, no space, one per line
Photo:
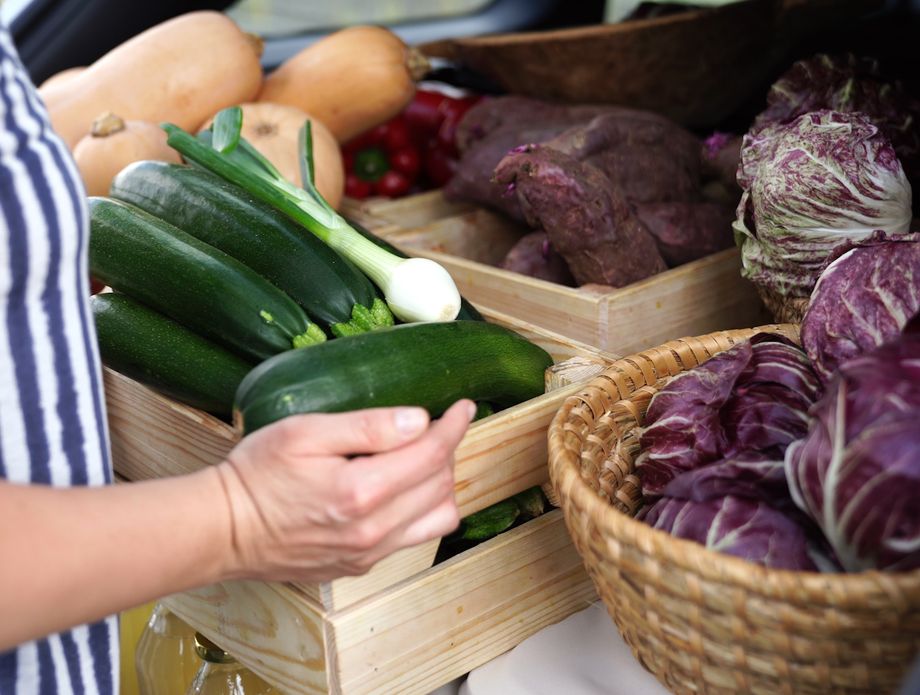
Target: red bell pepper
[382,161]
[415,150]
[433,117]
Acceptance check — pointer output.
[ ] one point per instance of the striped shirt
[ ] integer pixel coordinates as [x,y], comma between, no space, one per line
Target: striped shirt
[52,419]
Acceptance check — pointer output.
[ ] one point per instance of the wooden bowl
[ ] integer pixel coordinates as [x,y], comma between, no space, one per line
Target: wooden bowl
[697,67]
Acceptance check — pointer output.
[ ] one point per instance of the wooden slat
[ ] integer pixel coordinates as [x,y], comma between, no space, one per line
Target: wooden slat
[461,614]
[153,436]
[348,590]
[271,628]
[693,299]
[405,212]
[506,452]
[478,235]
[411,638]
[569,311]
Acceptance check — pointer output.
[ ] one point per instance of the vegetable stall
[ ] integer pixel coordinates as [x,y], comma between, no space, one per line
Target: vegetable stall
[336,234]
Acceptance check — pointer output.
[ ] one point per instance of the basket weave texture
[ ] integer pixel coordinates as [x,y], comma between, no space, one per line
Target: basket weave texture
[783,309]
[701,621]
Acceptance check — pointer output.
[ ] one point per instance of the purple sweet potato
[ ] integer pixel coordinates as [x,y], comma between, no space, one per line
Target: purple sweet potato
[720,157]
[535,256]
[686,231]
[516,113]
[647,157]
[472,182]
[587,220]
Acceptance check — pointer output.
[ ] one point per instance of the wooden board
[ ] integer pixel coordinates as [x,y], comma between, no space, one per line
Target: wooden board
[696,298]
[404,212]
[410,638]
[153,436]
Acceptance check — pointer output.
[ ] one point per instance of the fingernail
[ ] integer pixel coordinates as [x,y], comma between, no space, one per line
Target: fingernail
[410,420]
[470,410]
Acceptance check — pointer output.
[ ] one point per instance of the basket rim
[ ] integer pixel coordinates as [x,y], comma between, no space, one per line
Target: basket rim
[826,589]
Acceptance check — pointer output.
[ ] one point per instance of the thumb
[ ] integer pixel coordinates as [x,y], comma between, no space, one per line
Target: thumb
[369,431]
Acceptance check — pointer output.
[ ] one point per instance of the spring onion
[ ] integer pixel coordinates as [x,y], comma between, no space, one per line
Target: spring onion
[415,289]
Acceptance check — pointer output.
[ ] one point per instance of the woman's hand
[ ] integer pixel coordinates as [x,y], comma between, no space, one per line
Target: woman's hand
[304,507]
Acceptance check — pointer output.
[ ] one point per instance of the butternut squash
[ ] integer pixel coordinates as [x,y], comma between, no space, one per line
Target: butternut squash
[274,130]
[182,71]
[351,80]
[112,144]
[61,77]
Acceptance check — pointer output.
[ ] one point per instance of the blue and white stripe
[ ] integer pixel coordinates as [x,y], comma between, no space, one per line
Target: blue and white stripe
[52,422]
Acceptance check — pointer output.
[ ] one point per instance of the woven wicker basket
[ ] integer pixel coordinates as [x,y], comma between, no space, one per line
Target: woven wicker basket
[782,309]
[700,621]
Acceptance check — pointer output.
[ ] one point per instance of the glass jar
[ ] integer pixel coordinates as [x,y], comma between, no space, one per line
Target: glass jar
[220,674]
[165,658]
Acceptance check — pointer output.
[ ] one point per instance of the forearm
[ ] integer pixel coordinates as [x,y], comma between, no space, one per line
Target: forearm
[70,556]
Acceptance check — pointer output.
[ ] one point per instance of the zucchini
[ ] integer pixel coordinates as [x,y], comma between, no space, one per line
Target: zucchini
[467,311]
[427,364]
[329,287]
[157,351]
[193,283]
[490,521]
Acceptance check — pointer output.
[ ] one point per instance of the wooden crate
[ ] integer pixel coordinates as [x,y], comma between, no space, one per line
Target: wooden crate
[404,627]
[411,637]
[693,299]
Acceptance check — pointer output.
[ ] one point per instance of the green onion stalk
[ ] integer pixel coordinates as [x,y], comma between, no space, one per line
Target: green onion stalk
[415,289]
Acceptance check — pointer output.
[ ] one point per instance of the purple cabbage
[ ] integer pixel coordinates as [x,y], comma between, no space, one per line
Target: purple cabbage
[848,83]
[682,427]
[862,300]
[747,528]
[809,186]
[747,403]
[750,475]
[857,472]
[768,406]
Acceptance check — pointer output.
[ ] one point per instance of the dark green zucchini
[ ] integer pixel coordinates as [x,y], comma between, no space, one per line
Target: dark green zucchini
[157,351]
[467,311]
[193,283]
[490,521]
[329,287]
[426,364]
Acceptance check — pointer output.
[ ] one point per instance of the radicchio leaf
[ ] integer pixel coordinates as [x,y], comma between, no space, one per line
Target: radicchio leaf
[824,179]
[862,300]
[857,472]
[747,403]
[848,83]
[751,475]
[768,409]
[682,426]
[749,529]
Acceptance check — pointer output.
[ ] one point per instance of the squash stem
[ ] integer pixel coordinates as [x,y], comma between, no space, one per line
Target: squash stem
[313,335]
[364,319]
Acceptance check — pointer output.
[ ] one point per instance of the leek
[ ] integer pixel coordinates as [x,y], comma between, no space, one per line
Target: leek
[415,289]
